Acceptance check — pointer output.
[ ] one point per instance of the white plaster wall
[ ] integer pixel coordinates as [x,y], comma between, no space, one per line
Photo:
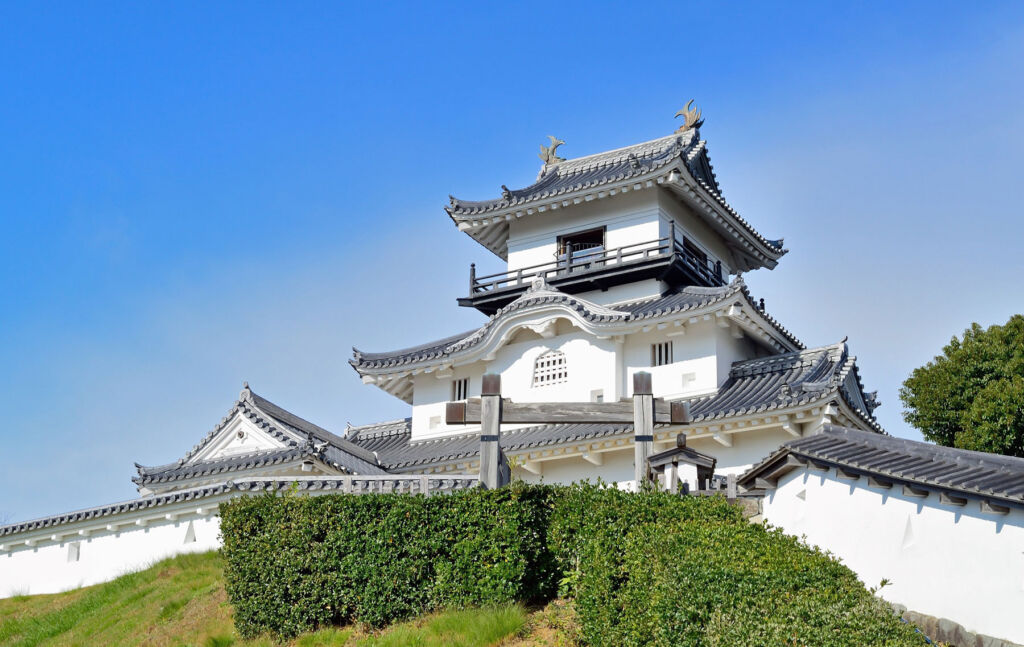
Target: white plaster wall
[636,291]
[694,355]
[729,349]
[617,468]
[592,365]
[103,555]
[688,224]
[430,395]
[628,218]
[748,448]
[702,359]
[943,560]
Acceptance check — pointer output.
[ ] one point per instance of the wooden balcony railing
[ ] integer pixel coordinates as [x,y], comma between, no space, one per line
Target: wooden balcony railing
[595,260]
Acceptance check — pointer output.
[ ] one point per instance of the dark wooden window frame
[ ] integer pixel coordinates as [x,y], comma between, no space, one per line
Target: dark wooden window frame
[579,234]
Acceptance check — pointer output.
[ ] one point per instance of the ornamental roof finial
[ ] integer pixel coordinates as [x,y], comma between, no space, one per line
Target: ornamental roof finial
[691,118]
[547,153]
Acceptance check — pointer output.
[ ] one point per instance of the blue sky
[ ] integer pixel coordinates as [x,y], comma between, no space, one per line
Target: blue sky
[194,195]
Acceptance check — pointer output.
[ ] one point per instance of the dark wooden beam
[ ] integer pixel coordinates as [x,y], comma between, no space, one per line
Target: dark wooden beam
[846,474]
[917,492]
[786,466]
[468,412]
[949,499]
[875,481]
[993,507]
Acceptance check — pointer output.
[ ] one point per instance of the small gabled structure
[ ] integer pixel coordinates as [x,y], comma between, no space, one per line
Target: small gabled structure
[682,467]
[259,438]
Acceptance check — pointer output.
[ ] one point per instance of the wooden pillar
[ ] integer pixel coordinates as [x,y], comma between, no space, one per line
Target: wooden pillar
[643,426]
[671,478]
[490,431]
[472,279]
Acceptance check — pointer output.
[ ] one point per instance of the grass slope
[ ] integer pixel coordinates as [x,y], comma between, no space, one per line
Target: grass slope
[181,601]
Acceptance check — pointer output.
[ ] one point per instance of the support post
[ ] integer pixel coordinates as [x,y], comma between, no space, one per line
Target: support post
[472,279]
[643,426]
[490,431]
[672,478]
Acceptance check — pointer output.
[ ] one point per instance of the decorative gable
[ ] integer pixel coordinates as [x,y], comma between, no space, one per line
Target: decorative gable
[239,436]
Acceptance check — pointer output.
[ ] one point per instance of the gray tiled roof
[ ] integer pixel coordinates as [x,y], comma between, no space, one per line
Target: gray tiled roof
[398,452]
[945,468]
[174,471]
[583,172]
[143,503]
[771,383]
[688,298]
[787,380]
[300,437]
[683,151]
[241,485]
[682,454]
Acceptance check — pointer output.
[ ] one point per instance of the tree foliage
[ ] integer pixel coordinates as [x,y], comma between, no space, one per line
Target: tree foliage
[972,395]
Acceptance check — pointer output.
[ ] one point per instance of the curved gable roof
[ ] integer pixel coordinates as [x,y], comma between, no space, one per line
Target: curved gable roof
[541,295]
[656,162]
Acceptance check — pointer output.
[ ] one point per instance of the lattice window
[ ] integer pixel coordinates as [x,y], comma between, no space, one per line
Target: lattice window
[550,368]
[460,389]
[661,354]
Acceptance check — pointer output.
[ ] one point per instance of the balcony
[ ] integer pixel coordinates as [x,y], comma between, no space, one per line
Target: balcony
[666,259]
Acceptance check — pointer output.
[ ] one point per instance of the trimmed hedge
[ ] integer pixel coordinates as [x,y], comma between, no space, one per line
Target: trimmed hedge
[645,568]
[656,569]
[295,563]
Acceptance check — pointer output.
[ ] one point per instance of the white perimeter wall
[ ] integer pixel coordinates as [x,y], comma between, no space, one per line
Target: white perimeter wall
[102,556]
[943,560]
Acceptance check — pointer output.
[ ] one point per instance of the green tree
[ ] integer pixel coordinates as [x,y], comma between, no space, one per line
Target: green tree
[972,395]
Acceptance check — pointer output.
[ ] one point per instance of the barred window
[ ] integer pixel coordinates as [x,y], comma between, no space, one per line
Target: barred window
[661,354]
[460,389]
[550,368]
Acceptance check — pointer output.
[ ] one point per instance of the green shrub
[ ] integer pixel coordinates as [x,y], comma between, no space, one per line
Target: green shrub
[644,568]
[586,515]
[295,563]
[653,569]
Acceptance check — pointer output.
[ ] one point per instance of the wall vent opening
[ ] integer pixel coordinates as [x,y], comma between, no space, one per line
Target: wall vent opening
[550,368]
[661,354]
[460,389]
